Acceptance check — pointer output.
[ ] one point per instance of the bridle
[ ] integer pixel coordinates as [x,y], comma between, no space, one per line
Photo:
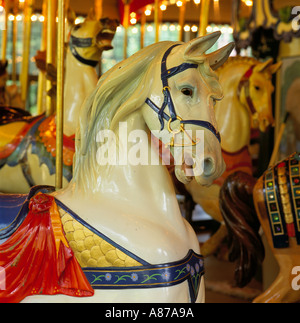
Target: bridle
[81,43]
[245,83]
[168,102]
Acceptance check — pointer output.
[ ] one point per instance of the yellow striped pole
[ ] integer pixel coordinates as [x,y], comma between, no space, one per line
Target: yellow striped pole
[60,94]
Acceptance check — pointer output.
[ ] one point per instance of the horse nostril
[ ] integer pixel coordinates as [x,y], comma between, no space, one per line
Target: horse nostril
[208,166]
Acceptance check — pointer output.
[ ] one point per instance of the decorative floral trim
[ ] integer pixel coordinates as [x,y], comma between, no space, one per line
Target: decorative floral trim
[191,269]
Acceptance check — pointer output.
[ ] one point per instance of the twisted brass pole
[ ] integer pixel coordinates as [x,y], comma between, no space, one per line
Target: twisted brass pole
[60,94]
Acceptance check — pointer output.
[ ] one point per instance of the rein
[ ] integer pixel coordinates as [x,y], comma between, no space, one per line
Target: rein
[81,43]
[245,83]
[168,102]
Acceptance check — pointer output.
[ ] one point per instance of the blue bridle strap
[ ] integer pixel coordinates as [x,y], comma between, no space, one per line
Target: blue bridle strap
[165,75]
[204,124]
[81,43]
[168,102]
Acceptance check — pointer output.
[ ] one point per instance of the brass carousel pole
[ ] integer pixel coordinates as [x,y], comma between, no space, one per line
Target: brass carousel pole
[204,16]
[143,29]
[156,20]
[126,24]
[4,32]
[182,12]
[14,41]
[60,94]
[28,9]
[98,8]
[42,75]
[50,59]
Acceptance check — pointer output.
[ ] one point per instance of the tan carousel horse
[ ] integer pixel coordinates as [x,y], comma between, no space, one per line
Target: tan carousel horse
[246,105]
[116,233]
[27,146]
[276,199]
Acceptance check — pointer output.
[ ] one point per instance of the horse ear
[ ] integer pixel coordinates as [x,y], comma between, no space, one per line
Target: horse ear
[275,68]
[219,57]
[259,68]
[71,16]
[91,15]
[198,46]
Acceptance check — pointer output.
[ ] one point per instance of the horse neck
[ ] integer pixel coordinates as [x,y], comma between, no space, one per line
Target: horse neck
[233,118]
[145,191]
[80,81]
[149,185]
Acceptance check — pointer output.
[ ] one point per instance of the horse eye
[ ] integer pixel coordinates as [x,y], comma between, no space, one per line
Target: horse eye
[187,92]
[257,88]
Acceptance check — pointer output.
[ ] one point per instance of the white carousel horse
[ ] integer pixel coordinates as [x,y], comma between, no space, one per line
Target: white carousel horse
[122,219]
[247,105]
[27,147]
[272,202]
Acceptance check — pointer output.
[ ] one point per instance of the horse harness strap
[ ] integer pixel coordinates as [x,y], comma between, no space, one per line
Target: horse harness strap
[81,43]
[190,269]
[168,102]
[245,83]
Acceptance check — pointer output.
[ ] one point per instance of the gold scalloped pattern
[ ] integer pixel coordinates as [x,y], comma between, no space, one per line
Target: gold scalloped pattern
[91,250]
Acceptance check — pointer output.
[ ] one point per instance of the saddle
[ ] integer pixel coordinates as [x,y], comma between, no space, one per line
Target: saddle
[14,126]
[18,130]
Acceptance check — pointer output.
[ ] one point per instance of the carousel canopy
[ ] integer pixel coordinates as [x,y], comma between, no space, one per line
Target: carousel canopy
[220,12]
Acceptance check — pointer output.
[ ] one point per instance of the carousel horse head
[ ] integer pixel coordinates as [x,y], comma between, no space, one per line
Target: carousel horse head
[255,92]
[168,89]
[89,39]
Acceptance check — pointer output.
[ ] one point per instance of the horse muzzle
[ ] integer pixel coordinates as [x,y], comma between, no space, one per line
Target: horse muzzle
[262,122]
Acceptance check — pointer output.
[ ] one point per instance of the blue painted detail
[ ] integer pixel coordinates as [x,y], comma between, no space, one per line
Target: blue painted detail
[190,269]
